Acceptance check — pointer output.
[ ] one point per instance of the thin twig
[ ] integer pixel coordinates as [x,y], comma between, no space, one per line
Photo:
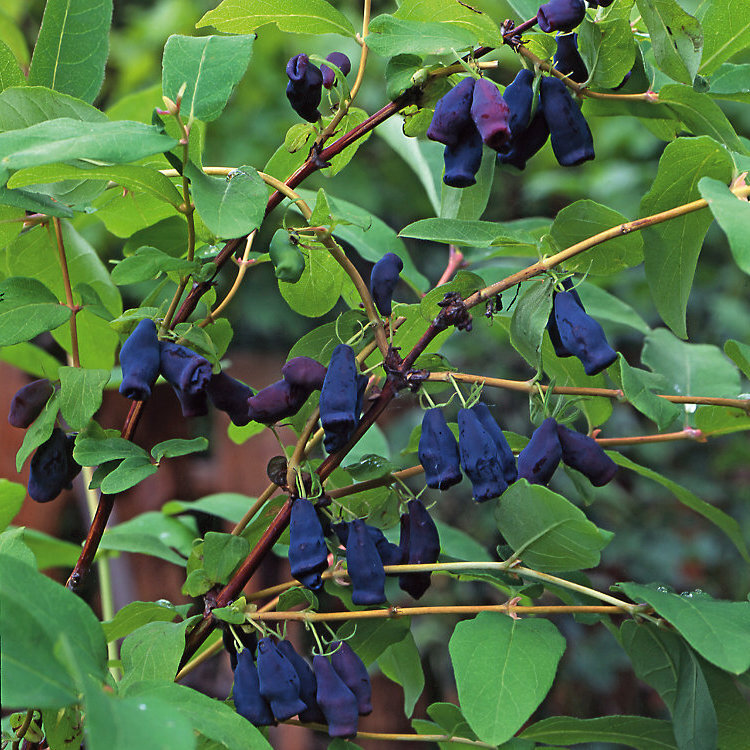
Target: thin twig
[68,292]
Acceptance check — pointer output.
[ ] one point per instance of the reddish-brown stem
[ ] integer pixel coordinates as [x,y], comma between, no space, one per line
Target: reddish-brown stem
[455,261]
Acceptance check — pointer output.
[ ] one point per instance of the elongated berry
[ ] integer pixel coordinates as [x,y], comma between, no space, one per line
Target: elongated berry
[351,669]
[308,554]
[581,335]
[230,395]
[341,61]
[248,640]
[554,334]
[338,398]
[438,452]
[364,566]
[519,96]
[383,280]
[305,86]
[278,680]
[139,359]
[561,15]
[571,137]
[463,159]
[423,547]
[288,261]
[507,459]
[390,554]
[308,685]
[188,373]
[248,701]
[28,403]
[568,60]
[304,372]
[480,458]
[452,114]
[275,402]
[539,459]
[338,703]
[584,454]
[526,143]
[490,114]
[52,467]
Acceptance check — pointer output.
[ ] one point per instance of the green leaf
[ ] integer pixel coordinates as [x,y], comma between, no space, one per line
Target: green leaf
[469,203]
[123,541]
[178,447]
[401,663]
[147,263]
[391,36]
[64,139]
[33,671]
[354,117]
[663,660]
[48,551]
[81,394]
[10,73]
[401,73]
[31,359]
[72,47]
[133,177]
[372,637]
[739,353]
[28,308]
[34,202]
[635,385]
[717,517]
[21,107]
[136,614]
[732,709]
[295,16]
[12,496]
[630,731]
[671,248]
[732,215]
[585,218]
[731,82]
[13,544]
[319,287]
[92,451]
[222,553]
[210,65]
[209,717]
[175,533]
[726,26]
[602,305]
[40,430]
[230,506]
[473,233]
[130,472]
[230,206]
[718,630]
[676,36]
[546,530]
[63,728]
[503,670]
[701,114]
[153,651]
[690,369]
[445,11]
[607,46]
[529,321]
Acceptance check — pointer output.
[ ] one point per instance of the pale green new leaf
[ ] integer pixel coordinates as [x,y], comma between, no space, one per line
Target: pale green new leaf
[81,392]
[10,73]
[448,11]
[733,216]
[391,36]
[28,308]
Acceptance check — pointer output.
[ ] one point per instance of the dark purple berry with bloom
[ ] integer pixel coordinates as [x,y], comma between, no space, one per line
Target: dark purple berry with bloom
[438,452]
[422,544]
[139,360]
[539,459]
[188,373]
[364,566]
[490,114]
[230,395]
[561,15]
[571,137]
[52,467]
[353,672]
[308,553]
[507,459]
[248,640]
[275,402]
[584,454]
[338,398]
[519,96]
[462,160]
[528,142]
[341,61]
[305,87]
[248,701]
[338,703]
[567,59]
[581,335]
[480,459]
[304,372]
[279,683]
[390,554]
[29,402]
[308,685]
[383,280]
[452,114]
[554,334]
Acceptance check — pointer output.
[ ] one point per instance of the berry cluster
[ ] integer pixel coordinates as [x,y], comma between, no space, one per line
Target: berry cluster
[306,82]
[53,467]
[279,684]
